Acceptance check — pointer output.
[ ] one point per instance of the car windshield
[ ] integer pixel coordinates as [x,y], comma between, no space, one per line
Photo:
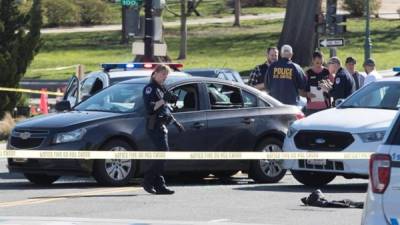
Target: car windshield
[379,95]
[119,98]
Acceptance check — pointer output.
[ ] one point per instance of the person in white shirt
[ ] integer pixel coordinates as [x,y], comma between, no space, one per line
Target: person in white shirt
[372,74]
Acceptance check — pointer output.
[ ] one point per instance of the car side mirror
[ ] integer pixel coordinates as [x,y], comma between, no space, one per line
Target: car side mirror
[339,101]
[64,105]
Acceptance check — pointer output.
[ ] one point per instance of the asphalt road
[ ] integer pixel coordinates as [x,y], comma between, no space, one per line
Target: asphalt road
[80,201]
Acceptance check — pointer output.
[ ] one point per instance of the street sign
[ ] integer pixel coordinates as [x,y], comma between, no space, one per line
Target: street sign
[130,2]
[333,42]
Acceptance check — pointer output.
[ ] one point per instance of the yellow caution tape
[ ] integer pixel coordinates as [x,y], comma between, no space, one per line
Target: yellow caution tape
[173,155]
[31,91]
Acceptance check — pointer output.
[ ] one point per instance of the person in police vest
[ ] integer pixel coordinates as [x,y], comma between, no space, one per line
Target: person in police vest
[343,84]
[285,79]
[159,116]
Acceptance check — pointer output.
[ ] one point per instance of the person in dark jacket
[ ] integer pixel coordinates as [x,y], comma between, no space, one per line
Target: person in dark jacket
[285,79]
[159,116]
[257,76]
[343,84]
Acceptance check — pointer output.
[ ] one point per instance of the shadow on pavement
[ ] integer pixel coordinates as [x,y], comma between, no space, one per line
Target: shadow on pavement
[82,196]
[330,188]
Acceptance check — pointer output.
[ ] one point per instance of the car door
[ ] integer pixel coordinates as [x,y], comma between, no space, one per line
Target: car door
[188,111]
[71,93]
[231,122]
[391,196]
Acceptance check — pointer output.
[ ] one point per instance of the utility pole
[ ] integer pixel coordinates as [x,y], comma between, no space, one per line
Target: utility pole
[368,42]
[148,31]
[330,13]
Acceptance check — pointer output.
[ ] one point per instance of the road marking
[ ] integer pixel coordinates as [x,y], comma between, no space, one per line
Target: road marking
[218,221]
[40,200]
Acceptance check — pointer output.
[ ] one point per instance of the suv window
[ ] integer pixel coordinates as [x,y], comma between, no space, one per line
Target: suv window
[87,85]
[188,98]
[394,137]
[224,97]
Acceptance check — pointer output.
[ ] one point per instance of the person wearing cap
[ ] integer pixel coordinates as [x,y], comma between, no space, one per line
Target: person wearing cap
[343,84]
[315,75]
[372,74]
[257,76]
[285,79]
[359,78]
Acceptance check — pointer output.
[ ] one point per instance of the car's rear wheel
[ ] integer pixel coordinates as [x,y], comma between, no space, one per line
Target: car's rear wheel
[225,174]
[114,172]
[270,170]
[313,179]
[41,179]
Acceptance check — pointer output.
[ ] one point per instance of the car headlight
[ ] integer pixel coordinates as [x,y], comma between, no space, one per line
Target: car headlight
[75,135]
[291,132]
[372,136]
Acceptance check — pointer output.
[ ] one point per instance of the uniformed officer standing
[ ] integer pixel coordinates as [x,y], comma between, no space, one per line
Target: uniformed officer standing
[285,79]
[343,85]
[159,115]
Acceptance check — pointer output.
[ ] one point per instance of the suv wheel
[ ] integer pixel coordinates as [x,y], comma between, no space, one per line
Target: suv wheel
[41,179]
[271,170]
[313,179]
[114,172]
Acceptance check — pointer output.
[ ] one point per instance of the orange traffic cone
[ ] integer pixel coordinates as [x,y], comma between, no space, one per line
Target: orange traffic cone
[43,101]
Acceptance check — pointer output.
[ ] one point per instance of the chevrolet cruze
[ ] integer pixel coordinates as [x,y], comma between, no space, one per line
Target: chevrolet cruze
[218,116]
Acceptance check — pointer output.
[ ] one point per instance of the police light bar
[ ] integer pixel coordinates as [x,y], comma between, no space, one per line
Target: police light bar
[396,69]
[129,66]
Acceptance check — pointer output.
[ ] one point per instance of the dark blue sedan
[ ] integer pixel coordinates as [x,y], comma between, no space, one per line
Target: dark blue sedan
[218,115]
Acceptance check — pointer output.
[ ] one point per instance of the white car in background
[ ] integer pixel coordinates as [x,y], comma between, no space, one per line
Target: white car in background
[383,198]
[358,124]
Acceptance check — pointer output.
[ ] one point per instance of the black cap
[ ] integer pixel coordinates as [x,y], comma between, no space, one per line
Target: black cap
[351,60]
[369,62]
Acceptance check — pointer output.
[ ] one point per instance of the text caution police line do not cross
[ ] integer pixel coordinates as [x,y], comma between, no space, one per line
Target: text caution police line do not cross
[173,155]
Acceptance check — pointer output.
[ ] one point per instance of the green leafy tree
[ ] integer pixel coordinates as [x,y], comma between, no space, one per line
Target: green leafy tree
[19,43]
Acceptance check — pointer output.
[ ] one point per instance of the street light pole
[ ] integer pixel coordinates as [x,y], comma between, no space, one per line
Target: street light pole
[368,42]
[148,31]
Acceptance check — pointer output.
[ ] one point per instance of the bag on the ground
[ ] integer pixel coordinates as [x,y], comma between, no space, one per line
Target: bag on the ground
[317,199]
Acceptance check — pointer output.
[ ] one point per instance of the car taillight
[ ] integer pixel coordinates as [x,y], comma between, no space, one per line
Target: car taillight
[379,172]
[299,116]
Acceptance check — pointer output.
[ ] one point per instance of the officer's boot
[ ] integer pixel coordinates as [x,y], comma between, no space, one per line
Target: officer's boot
[161,188]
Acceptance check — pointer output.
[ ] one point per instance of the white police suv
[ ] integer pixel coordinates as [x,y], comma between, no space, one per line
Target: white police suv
[382,204]
[110,74]
[358,124]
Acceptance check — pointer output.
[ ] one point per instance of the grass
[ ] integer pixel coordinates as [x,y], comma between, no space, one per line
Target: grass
[208,46]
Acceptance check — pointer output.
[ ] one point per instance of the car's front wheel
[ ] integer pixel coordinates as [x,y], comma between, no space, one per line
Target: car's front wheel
[41,179]
[271,170]
[313,179]
[114,172]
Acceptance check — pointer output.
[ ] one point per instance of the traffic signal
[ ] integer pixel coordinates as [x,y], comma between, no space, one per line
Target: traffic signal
[338,21]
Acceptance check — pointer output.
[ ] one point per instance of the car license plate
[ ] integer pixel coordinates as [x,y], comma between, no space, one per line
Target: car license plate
[316,162]
[20,160]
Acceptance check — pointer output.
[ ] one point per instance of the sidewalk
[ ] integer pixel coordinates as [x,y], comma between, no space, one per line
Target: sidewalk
[203,21]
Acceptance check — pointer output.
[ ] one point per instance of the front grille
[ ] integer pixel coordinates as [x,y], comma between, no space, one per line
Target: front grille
[26,143]
[322,140]
[330,165]
[26,139]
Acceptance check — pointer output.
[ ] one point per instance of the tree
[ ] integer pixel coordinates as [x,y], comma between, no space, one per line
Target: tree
[186,10]
[17,46]
[183,44]
[237,13]
[299,29]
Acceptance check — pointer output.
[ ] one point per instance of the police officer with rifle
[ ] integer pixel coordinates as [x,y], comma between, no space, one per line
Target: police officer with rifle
[159,115]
